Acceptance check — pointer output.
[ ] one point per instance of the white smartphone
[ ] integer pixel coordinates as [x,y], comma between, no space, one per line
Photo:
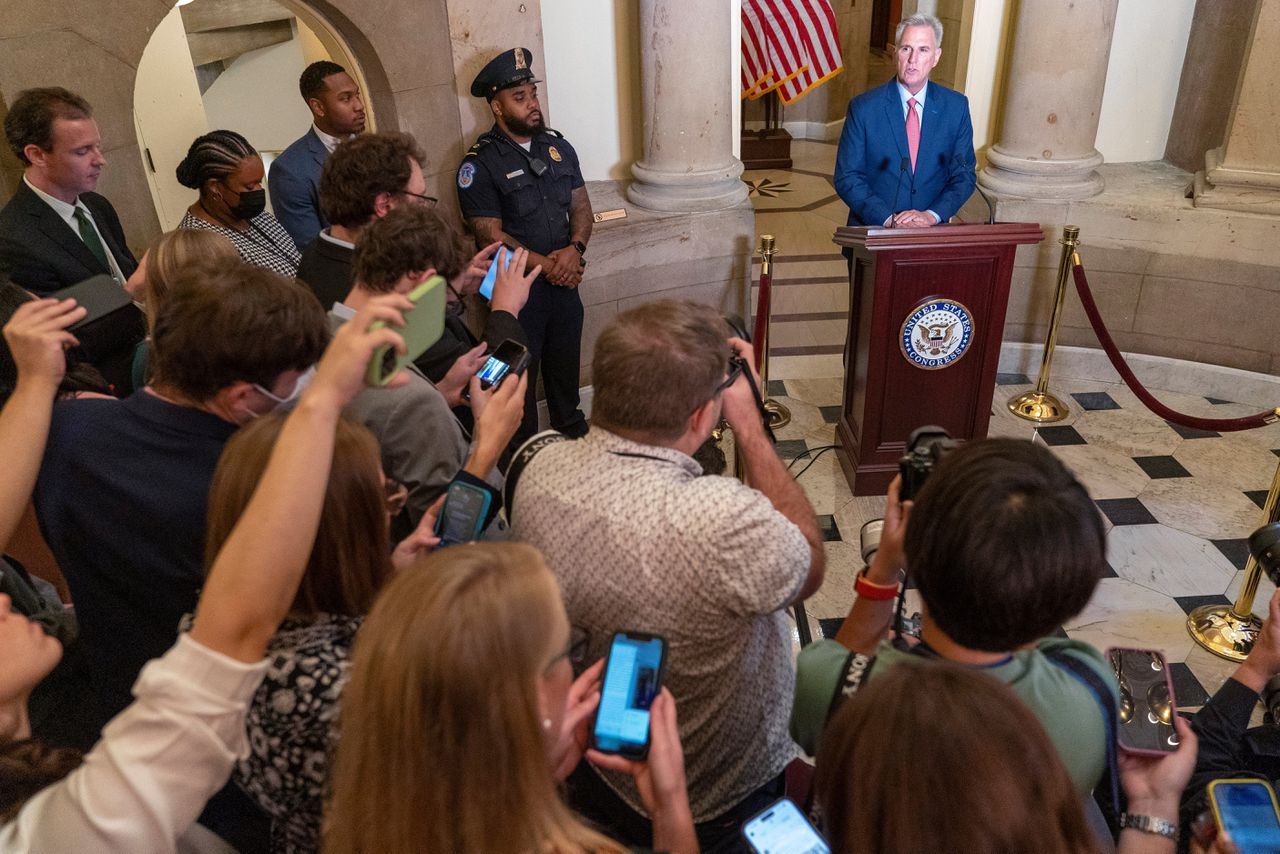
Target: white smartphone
[783,829]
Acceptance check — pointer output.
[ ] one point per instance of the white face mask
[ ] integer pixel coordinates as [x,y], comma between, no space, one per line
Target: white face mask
[304,379]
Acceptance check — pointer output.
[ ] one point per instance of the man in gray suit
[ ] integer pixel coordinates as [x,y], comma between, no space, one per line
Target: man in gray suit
[294,180]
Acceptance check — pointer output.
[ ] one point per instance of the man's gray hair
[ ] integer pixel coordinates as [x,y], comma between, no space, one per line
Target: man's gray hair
[919,20]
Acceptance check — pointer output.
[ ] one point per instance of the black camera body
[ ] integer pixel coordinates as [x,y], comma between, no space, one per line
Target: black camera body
[926,446]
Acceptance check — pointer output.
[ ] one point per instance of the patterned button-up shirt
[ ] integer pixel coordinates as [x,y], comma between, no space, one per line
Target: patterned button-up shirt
[640,541]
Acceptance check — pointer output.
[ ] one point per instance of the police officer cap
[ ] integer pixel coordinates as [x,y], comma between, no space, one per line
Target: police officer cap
[504,71]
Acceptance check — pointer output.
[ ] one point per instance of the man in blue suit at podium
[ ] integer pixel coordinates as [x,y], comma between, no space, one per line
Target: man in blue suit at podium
[906,152]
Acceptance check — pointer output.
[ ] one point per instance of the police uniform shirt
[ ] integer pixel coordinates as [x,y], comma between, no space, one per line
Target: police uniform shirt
[495,180]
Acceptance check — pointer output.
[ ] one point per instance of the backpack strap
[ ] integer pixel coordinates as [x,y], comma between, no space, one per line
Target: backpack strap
[520,459]
[1102,696]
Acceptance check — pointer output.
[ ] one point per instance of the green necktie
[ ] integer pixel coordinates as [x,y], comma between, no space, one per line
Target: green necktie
[89,235]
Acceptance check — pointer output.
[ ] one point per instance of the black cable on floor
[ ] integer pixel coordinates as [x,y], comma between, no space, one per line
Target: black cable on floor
[817,452]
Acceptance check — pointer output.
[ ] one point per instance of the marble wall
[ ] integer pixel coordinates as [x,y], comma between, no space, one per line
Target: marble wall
[418,58]
[1169,279]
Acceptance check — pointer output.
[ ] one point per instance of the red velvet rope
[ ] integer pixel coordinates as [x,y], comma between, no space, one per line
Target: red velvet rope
[1117,361]
[763,307]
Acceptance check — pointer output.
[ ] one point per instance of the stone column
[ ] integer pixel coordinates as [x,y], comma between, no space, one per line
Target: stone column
[1244,174]
[1056,77]
[688,162]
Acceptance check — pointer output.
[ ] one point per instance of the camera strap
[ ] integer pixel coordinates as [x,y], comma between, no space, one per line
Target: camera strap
[1106,703]
[520,459]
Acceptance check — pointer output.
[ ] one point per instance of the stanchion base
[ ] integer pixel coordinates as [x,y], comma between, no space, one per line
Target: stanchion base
[779,415]
[1041,408]
[1223,633]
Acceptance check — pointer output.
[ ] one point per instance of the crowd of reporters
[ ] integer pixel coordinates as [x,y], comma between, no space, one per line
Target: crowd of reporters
[229,623]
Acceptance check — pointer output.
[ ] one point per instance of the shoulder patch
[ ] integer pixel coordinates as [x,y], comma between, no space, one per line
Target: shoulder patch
[466,175]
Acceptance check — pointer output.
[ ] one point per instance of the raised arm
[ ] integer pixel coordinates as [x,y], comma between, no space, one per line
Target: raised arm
[37,337]
[868,620]
[256,575]
[765,472]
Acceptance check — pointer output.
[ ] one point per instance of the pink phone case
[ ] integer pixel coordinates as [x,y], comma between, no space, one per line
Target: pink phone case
[1139,700]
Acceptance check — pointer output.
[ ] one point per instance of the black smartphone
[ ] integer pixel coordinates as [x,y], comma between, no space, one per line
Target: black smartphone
[1146,701]
[1246,811]
[632,679]
[510,357]
[782,829]
[462,515]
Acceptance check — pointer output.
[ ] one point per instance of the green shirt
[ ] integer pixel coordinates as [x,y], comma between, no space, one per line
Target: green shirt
[1065,705]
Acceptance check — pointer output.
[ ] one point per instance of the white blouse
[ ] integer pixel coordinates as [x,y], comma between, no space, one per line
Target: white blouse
[157,763]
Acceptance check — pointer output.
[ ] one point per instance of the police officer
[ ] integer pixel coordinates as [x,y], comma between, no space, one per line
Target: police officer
[521,184]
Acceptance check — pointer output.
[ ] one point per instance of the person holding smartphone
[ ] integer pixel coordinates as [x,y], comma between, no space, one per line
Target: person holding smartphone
[162,757]
[423,443]
[641,541]
[1229,747]
[982,774]
[420,768]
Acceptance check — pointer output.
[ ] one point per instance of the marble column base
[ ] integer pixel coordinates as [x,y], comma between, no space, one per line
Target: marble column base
[1220,186]
[1016,175]
[690,191]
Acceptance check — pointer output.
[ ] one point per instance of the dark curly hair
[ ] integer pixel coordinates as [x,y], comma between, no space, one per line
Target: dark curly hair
[361,168]
[215,155]
[409,239]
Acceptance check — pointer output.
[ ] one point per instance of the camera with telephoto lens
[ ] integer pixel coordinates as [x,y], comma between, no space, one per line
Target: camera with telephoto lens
[926,446]
[1264,545]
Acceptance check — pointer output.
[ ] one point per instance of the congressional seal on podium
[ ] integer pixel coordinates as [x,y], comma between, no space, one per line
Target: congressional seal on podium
[936,334]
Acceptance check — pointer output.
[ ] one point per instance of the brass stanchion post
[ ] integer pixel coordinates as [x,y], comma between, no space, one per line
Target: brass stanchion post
[779,415]
[1229,632]
[1039,405]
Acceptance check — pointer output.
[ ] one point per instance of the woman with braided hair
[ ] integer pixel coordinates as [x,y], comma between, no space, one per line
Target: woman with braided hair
[227,172]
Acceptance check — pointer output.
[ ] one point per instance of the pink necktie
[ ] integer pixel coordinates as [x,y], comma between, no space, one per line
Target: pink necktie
[913,131]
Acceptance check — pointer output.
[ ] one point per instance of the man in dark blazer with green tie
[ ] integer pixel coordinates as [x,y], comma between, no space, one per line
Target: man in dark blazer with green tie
[55,231]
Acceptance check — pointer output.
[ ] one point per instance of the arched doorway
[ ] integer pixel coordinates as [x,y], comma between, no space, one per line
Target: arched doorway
[215,64]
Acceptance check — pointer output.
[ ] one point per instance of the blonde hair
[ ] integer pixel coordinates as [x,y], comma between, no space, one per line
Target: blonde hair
[173,252]
[442,749]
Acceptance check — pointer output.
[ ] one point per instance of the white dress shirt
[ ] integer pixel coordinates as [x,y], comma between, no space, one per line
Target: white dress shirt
[905,94]
[68,214]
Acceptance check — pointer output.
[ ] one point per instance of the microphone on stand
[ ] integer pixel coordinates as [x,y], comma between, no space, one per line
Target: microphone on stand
[903,166]
[991,211]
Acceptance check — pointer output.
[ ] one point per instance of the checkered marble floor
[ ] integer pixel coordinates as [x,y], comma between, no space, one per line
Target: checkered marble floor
[1178,505]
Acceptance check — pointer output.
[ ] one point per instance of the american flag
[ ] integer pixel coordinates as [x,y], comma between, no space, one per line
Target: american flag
[791,46]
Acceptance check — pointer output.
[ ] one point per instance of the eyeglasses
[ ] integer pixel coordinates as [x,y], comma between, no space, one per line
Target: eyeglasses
[396,495]
[428,201]
[736,366]
[304,379]
[575,650]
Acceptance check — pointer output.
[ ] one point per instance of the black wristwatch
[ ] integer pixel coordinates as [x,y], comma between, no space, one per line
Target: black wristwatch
[581,247]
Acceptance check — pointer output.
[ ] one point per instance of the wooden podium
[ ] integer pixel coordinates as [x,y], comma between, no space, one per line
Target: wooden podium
[926,317]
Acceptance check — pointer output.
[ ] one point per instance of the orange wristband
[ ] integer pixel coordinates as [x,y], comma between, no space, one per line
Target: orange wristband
[867,589]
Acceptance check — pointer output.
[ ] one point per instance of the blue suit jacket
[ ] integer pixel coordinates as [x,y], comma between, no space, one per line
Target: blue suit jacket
[294,184]
[873,146]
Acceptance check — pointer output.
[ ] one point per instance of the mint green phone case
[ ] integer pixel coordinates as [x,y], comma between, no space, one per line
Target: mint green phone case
[424,326]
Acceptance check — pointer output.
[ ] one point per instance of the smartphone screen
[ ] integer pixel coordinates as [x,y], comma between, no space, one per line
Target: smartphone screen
[486,285]
[462,514]
[499,363]
[783,829]
[632,678]
[1246,810]
[1146,701]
